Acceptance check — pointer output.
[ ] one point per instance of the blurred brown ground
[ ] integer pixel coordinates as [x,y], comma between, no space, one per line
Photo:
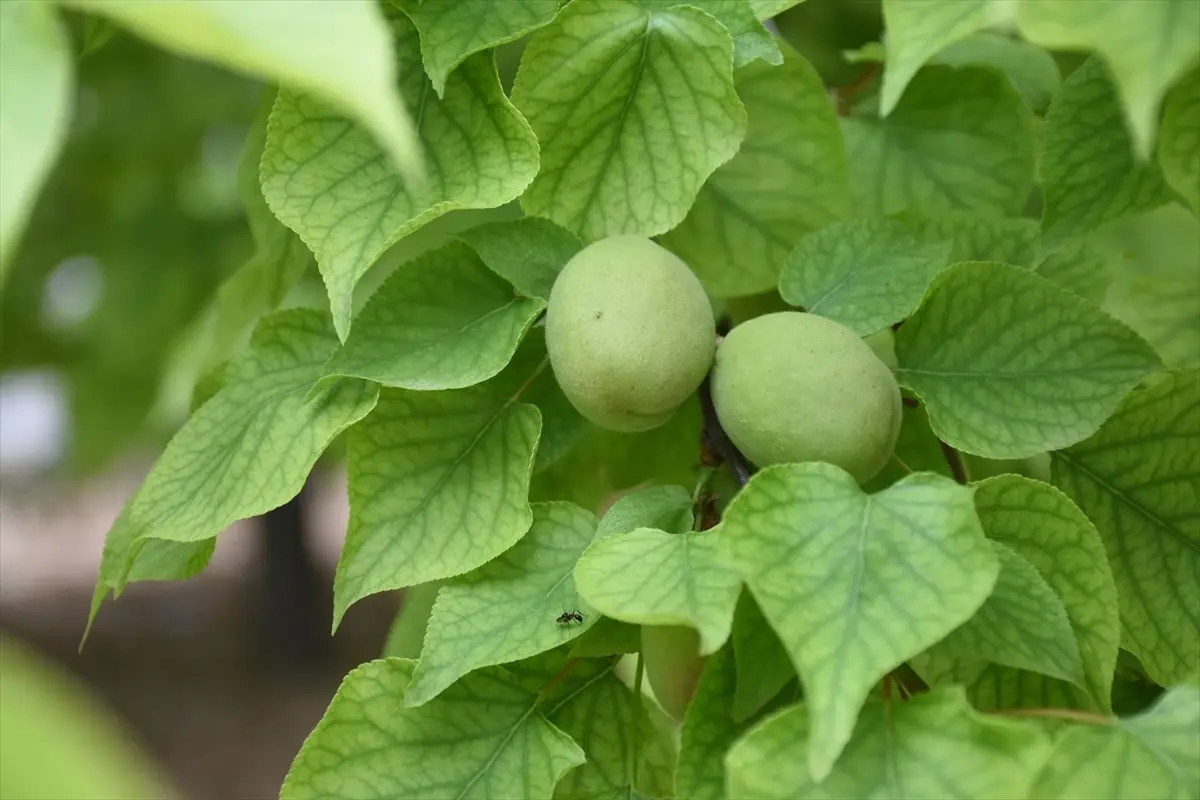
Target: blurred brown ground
[183,664]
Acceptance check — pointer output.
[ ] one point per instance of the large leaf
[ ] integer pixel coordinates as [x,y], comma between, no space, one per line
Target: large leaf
[763,664]
[1179,139]
[751,39]
[932,747]
[1023,624]
[36,81]
[634,108]
[507,609]
[1136,479]
[452,30]
[788,178]
[1150,755]
[959,139]
[651,577]
[1010,366]
[1146,45]
[667,508]
[1051,533]
[865,274]
[995,687]
[855,584]
[327,180]
[1032,71]
[528,252]
[339,51]
[1089,172]
[481,739]
[439,485]
[916,32]
[250,448]
[441,321]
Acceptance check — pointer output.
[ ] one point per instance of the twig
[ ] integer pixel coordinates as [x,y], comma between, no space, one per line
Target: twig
[909,680]
[957,468]
[1071,714]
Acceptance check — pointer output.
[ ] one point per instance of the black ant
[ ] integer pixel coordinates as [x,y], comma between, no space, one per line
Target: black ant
[567,617]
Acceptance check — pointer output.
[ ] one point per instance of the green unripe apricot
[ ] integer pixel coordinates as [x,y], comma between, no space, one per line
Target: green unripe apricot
[673,665]
[630,333]
[791,387]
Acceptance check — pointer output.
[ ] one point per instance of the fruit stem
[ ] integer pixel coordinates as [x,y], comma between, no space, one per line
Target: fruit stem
[957,468]
[715,436]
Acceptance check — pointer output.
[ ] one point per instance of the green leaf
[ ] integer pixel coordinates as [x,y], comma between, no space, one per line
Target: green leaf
[599,711]
[855,584]
[994,687]
[338,52]
[36,79]
[1156,290]
[708,731]
[917,450]
[765,9]
[1022,624]
[507,609]
[788,178]
[408,627]
[751,40]
[250,448]
[1079,267]
[1089,172]
[607,638]
[865,274]
[482,738]
[326,179]
[1179,139]
[453,30]
[1146,45]
[651,577]
[959,139]
[1150,755]
[916,32]
[441,321]
[763,664]
[280,258]
[1009,365]
[438,485]
[668,508]
[1050,532]
[528,253]
[975,237]
[1136,479]
[1032,71]
[634,108]
[934,746]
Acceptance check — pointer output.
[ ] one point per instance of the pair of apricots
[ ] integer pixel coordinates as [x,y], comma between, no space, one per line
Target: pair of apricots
[631,335]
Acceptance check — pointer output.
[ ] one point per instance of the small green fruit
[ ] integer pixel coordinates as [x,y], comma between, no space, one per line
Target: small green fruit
[791,387]
[673,665]
[630,333]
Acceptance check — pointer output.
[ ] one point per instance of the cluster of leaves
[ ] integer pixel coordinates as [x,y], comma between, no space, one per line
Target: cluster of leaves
[970,624]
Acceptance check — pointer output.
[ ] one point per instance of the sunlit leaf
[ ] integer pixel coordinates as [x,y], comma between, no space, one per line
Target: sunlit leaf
[932,747]
[528,253]
[788,178]
[453,30]
[651,577]
[507,609]
[1136,479]
[482,738]
[439,483]
[865,274]
[441,321]
[325,177]
[634,108]
[854,584]
[1010,365]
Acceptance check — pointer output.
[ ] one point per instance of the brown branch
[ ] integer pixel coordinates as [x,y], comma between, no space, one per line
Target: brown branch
[954,459]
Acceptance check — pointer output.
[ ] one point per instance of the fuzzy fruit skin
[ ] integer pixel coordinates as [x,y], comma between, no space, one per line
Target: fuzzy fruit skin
[630,333]
[792,387]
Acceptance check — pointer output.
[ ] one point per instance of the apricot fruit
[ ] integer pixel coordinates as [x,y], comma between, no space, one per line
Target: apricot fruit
[793,387]
[630,333]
